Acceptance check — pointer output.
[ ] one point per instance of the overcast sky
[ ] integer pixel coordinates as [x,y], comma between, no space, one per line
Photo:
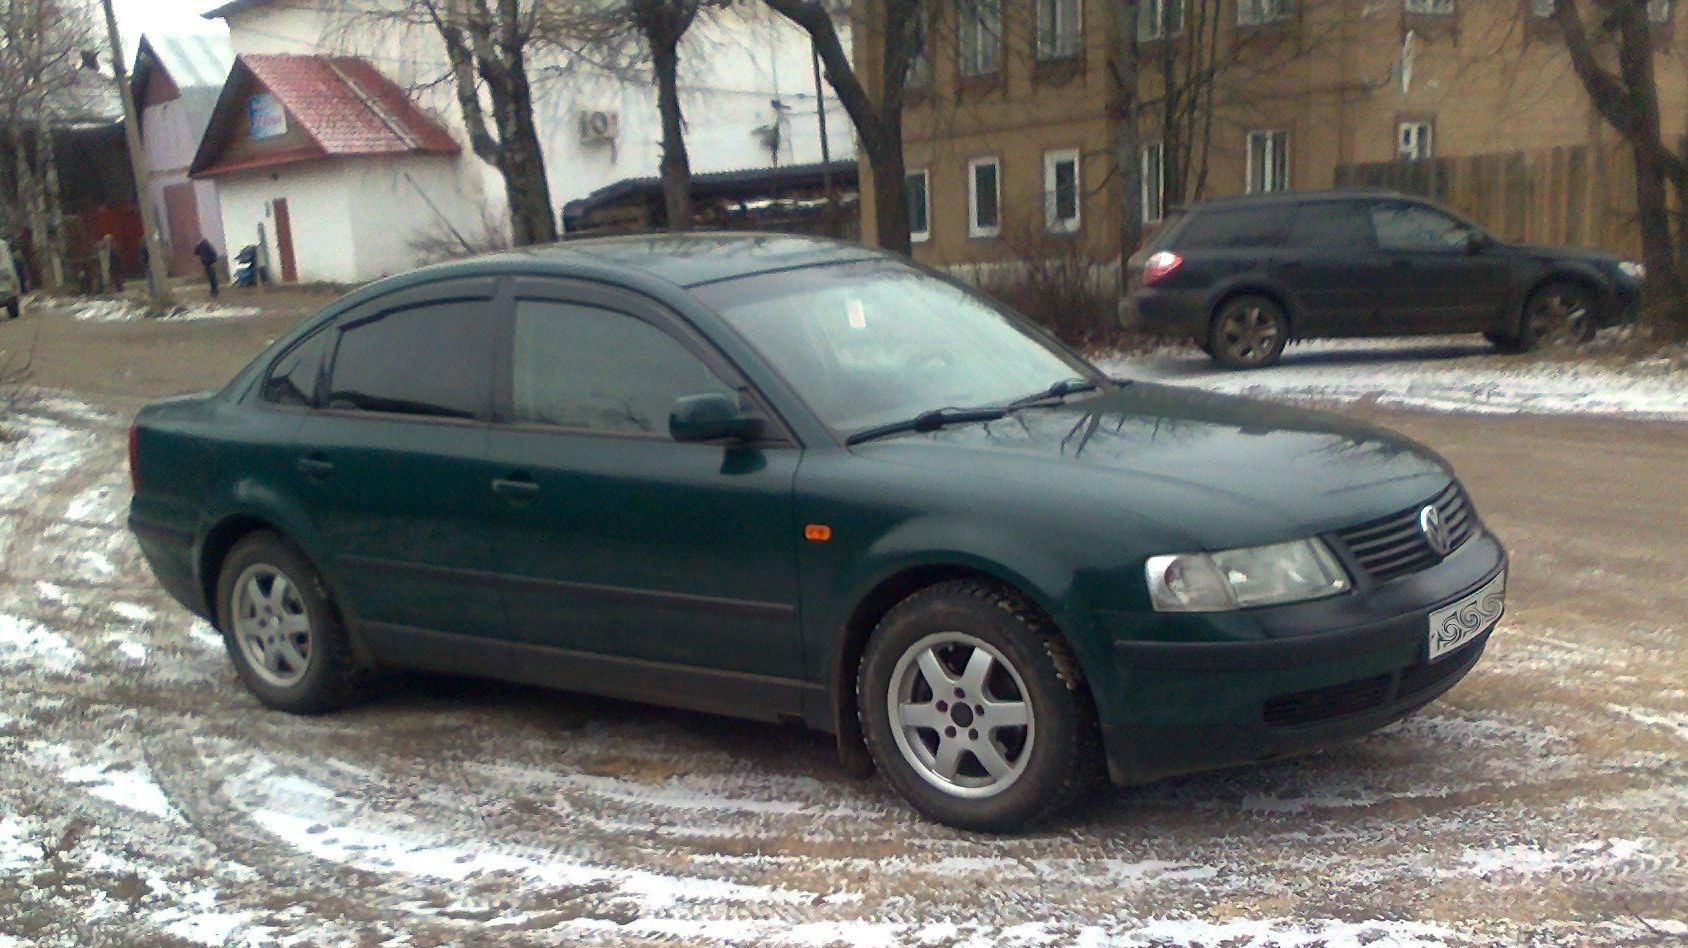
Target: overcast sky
[136,17]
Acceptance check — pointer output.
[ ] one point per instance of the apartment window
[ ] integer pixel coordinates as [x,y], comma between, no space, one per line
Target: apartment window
[984,198]
[1430,7]
[1059,28]
[1154,182]
[1061,191]
[919,206]
[1268,161]
[1413,141]
[1157,19]
[1542,8]
[920,68]
[979,43]
[1256,12]
[1658,11]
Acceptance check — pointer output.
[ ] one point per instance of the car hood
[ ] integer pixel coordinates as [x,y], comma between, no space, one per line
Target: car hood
[1210,470]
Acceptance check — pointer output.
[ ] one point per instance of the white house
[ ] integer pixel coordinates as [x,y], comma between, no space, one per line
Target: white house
[177,79]
[328,166]
[747,91]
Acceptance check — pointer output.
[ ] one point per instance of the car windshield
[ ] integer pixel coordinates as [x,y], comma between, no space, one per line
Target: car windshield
[876,342]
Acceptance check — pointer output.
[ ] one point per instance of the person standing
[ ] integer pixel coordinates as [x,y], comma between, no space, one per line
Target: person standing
[207,255]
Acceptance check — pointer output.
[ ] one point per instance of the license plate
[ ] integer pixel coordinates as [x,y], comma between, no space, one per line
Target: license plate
[1454,625]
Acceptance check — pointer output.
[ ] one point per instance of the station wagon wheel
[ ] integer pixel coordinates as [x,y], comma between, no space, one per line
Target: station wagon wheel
[971,708]
[1247,332]
[1560,314]
[282,630]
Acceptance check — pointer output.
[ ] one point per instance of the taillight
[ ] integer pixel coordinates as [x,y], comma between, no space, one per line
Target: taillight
[1159,266]
[134,458]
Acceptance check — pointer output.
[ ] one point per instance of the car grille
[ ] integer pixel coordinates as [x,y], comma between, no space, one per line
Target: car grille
[1394,546]
[1422,681]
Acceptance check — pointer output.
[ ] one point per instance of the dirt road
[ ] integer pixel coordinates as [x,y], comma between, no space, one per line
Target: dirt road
[145,798]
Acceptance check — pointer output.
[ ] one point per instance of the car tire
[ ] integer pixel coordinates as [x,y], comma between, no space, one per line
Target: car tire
[1561,313]
[946,658]
[14,308]
[282,630]
[1247,332]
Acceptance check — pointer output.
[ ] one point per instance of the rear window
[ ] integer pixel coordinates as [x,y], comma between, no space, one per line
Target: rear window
[1164,234]
[1238,227]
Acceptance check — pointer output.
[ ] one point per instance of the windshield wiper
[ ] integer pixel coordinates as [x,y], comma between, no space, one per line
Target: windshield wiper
[1055,392]
[929,421]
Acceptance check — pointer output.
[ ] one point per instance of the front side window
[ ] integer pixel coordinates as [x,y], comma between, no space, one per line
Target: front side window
[1158,19]
[1412,227]
[434,359]
[919,205]
[1154,182]
[868,343]
[1059,29]
[599,370]
[979,39]
[984,213]
[1257,12]
[1061,191]
[1413,141]
[292,380]
[1268,161]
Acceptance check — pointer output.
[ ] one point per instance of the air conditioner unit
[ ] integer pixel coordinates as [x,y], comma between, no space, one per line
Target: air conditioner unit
[599,126]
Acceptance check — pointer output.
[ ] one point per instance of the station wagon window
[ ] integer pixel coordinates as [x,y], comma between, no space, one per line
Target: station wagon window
[293,378]
[434,360]
[1411,227]
[1331,224]
[1235,228]
[594,369]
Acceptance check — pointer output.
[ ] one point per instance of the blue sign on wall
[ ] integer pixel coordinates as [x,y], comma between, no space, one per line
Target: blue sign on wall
[265,116]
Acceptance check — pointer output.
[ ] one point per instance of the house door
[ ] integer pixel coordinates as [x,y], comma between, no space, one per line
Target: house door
[181,216]
[284,241]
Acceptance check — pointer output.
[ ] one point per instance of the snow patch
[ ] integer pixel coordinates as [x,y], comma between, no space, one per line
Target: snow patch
[1274,933]
[1528,860]
[17,851]
[1675,725]
[30,644]
[124,310]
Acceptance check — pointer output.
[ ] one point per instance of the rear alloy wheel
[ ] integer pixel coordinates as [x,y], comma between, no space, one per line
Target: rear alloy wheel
[1559,314]
[969,708]
[1247,332]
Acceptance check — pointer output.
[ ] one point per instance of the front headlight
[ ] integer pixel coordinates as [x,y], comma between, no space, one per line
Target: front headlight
[1250,576]
[1633,270]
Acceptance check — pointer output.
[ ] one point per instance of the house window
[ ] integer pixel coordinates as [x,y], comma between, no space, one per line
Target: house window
[1658,11]
[1542,8]
[984,198]
[920,68]
[1154,182]
[1157,19]
[1268,161]
[919,206]
[1413,141]
[980,41]
[1256,12]
[1059,28]
[1430,7]
[1061,191]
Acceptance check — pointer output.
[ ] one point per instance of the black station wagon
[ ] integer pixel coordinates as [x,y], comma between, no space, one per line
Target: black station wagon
[792,479]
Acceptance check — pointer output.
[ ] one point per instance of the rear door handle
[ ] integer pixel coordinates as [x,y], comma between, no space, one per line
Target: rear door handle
[515,487]
[315,467]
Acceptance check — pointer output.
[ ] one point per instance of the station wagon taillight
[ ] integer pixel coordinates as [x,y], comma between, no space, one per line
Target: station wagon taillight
[1159,266]
[134,456]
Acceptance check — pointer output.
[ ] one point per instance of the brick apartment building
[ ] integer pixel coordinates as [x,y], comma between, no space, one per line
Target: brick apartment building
[1009,134]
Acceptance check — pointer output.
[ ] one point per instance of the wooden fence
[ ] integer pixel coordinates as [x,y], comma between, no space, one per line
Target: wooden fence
[1581,195]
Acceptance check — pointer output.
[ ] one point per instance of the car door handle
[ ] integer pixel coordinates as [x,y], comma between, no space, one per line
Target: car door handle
[516,487]
[315,467]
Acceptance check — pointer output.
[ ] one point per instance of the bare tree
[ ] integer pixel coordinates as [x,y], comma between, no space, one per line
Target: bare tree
[1123,69]
[1628,99]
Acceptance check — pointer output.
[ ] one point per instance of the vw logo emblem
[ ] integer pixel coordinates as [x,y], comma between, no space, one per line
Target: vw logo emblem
[1435,531]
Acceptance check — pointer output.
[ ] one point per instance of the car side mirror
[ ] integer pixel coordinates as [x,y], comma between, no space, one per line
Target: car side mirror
[712,417]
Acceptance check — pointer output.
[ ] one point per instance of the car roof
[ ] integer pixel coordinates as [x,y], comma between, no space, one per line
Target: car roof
[1287,198]
[694,258]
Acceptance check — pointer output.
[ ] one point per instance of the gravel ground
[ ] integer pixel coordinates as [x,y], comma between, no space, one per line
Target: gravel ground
[145,798]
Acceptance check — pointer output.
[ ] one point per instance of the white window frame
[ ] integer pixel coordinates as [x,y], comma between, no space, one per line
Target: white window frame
[1052,160]
[1154,185]
[1060,29]
[1415,140]
[1261,12]
[1429,7]
[974,228]
[1153,17]
[978,42]
[920,236]
[1276,159]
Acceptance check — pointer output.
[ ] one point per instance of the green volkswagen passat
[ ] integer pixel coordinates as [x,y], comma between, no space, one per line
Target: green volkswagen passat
[792,479]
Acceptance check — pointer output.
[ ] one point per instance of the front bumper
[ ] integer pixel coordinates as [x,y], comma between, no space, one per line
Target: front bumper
[1184,706]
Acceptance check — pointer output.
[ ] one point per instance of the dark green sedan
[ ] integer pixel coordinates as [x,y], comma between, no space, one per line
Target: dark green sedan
[792,479]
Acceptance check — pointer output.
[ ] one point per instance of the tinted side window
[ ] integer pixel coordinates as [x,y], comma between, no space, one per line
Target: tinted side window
[293,377]
[1235,228]
[583,367]
[1411,227]
[434,359]
[1331,224]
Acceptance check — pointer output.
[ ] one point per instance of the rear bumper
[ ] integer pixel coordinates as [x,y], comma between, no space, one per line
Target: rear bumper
[1166,312]
[169,552]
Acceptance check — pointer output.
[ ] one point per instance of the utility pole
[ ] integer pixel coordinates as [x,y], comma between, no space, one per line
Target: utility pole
[157,276]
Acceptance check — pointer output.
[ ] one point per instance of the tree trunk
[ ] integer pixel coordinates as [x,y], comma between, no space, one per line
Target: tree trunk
[890,205]
[663,28]
[52,209]
[1667,297]
[1128,145]
[525,187]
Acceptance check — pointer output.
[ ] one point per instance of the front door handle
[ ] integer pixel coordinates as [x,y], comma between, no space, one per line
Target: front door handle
[315,467]
[516,487]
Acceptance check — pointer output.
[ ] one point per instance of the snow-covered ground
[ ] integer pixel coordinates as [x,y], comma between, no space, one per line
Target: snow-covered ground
[146,799]
[1452,373]
[124,310]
